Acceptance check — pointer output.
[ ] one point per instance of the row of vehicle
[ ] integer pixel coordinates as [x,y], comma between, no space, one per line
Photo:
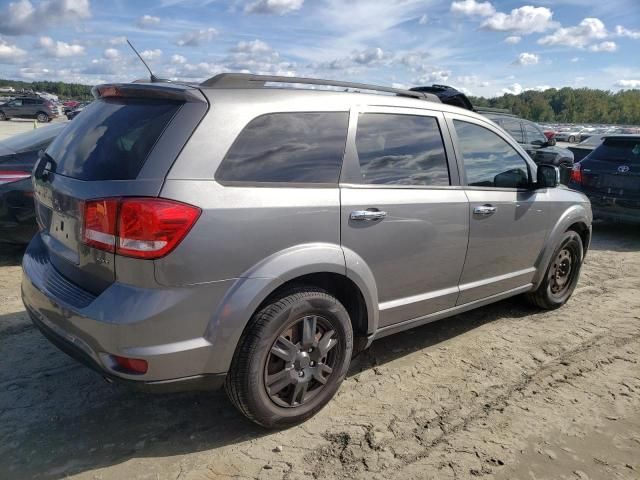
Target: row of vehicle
[579,133]
[39,108]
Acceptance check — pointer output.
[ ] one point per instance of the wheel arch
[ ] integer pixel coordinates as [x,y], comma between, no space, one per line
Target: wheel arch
[576,218]
[314,265]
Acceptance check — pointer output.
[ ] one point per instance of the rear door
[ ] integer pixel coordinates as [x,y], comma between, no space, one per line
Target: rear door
[508,220]
[119,149]
[402,210]
[13,108]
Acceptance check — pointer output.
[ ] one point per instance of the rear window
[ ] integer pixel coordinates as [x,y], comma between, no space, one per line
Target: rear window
[112,140]
[621,150]
[288,148]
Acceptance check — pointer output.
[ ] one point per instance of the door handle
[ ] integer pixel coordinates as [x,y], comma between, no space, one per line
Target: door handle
[484,210]
[367,215]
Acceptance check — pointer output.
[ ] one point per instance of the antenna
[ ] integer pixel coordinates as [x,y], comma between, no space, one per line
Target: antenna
[152,76]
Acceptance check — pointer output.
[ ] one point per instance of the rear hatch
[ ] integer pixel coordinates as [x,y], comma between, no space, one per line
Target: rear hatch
[613,169]
[124,146]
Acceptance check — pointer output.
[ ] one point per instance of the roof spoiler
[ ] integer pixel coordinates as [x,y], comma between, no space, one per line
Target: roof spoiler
[247,80]
[163,91]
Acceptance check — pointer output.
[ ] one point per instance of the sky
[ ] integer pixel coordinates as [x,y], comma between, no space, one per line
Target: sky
[484,48]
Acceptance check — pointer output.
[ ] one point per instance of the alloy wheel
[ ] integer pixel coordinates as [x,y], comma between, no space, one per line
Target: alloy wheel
[301,360]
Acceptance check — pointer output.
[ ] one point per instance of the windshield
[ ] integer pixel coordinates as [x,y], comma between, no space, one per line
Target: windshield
[33,139]
[622,150]
[113,140]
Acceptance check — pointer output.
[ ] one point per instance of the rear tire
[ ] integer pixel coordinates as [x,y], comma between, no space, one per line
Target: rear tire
[42,117]
[571,139]
[3,117]
[561,276]
[291,358]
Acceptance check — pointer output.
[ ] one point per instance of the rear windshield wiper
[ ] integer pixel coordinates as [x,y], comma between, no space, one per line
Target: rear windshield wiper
[46,165]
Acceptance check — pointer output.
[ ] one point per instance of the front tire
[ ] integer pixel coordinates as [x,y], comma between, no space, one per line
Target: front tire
[291,359]
[572,139]
[561,276]
[42,117]
[3,117]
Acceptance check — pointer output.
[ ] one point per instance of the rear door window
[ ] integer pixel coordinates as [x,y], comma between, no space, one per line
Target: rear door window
[489,161]
[396,149]
[113,140]
[288,148]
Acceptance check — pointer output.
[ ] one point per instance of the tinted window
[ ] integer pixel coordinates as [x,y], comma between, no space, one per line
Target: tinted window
[288,147]
[625,151]
[113,139]
[489,161]
[401,150]
[534,133]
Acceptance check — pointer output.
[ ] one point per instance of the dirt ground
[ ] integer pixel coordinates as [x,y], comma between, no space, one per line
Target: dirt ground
[505,391]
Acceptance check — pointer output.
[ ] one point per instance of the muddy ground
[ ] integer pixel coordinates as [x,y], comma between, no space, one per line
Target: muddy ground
[506,391]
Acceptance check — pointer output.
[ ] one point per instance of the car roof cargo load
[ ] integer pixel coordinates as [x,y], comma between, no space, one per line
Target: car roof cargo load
[447,95]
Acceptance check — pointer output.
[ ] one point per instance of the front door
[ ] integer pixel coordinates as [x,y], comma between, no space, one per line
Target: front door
[402,211]
[508,219]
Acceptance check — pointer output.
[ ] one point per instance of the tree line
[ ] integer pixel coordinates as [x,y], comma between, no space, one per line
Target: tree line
[565,105]
[570,105]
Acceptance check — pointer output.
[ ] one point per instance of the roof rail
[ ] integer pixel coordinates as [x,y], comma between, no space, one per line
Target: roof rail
[247,80]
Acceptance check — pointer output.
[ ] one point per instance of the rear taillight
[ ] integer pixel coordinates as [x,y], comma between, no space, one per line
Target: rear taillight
[576,174]
[137,227]
[10,176]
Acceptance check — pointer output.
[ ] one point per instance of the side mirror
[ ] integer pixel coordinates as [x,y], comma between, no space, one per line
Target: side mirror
[548,176]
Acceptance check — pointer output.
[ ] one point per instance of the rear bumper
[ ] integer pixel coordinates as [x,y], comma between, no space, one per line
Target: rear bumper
[164,326]
[626,211]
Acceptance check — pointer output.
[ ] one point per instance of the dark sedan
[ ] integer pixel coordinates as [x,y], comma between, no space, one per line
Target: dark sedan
[18,155]
[610,177]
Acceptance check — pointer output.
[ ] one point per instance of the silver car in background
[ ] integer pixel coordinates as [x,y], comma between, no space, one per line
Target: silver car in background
[237,233]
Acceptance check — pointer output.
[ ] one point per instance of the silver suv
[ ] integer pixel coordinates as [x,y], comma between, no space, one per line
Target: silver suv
[243,233]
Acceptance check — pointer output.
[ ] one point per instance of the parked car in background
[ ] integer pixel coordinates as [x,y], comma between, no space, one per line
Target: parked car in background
[29,107]
[541,149]
[74,112]
[570,135]
[610,177]
[18,155]
[585,147]
[69,105]
[263,257]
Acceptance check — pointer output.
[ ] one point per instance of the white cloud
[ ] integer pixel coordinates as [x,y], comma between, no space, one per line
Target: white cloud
[197,37]
[10,53]
[253,47]
[513,89]
[575,59]
[59,49]
[526,58]
[111,54]
[470,81]
[586,32]
[148,21]
[117,41]
[22,17]
[525,20]
[434,76]
[370,57]
[423,19]
[151,54]
[623,32]
[628,83]
[273,7]
[604,47]
[473,8]
[178,60]
[513,39]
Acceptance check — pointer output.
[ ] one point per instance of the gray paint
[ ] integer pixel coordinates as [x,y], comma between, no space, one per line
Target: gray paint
[430,257]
